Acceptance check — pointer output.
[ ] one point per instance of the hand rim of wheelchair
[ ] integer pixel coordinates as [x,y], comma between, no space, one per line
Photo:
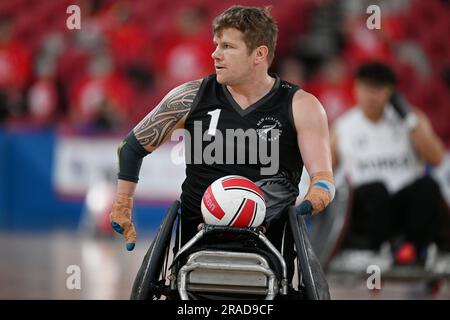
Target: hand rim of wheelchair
[145,287]
[148,286]
[308,259]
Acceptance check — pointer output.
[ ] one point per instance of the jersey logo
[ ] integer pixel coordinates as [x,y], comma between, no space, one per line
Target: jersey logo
[269,128]
[265,129]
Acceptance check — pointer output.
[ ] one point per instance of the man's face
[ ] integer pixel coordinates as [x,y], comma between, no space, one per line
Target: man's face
[372,98]
[232,61]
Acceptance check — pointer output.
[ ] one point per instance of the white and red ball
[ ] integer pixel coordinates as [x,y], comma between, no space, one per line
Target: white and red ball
[233,201]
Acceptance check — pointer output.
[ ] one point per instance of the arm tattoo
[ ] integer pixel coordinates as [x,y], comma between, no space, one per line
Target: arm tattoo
[156,125]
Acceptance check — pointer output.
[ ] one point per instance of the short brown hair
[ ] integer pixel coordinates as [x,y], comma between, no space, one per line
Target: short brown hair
[257,25]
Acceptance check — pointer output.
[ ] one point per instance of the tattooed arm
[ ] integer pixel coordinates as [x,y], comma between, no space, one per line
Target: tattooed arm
[169,115]
[154,130]
[147,136]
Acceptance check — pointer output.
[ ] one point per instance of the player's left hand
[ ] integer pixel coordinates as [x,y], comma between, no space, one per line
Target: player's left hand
[304,209]
[401,106]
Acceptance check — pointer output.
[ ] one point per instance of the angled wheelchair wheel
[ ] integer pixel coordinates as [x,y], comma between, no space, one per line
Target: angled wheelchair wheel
[149,283]
[329,228]
[310,270]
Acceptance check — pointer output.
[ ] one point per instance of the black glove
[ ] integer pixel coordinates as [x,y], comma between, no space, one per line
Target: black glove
[400,105]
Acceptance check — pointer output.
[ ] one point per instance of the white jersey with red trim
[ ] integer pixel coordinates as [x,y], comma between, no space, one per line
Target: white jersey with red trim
[377,151]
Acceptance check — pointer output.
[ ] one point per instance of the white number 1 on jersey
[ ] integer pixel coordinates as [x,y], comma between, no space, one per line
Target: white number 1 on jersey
[214,120]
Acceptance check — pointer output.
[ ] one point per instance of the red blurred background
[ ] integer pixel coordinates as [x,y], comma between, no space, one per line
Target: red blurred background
[127,54]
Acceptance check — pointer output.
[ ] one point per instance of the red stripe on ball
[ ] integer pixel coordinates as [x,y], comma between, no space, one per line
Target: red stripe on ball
[244,183]
[246,215]
[211,204]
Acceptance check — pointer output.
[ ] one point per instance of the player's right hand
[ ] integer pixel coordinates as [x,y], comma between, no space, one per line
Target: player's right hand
[120,218]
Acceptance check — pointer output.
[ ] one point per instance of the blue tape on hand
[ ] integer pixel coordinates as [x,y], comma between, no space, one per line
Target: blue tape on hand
[304,208]
[117,227]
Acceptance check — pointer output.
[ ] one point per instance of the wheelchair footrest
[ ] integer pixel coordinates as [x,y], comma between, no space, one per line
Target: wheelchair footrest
[227,272]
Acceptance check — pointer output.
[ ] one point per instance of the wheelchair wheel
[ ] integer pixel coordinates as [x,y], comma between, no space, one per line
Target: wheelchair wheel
[148,284]
[330,227]
[310,271]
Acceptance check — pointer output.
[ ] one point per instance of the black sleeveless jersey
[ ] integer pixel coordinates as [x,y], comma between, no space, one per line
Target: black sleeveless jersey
[267,153]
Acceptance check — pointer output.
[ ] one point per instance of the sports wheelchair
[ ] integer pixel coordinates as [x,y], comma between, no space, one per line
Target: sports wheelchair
[222,262]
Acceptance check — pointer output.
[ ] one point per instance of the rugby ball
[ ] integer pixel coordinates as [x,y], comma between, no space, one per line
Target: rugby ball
[233,201]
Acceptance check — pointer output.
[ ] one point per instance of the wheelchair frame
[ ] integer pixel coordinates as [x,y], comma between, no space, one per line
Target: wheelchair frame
[150,282]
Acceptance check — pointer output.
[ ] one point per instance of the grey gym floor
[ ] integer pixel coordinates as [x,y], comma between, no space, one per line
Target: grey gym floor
[37,266]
